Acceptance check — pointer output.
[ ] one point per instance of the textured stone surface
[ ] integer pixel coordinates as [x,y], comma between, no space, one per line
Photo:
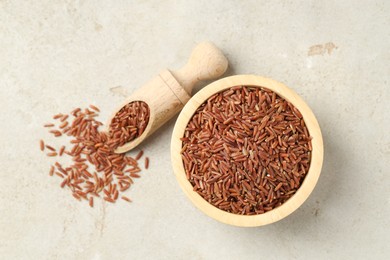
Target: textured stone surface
[56,55]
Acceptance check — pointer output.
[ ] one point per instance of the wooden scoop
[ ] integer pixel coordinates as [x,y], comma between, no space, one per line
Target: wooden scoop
[167,93]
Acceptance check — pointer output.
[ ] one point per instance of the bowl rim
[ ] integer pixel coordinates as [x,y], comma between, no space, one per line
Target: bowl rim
[304,190]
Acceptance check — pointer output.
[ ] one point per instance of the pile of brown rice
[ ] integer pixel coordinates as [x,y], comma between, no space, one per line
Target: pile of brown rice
[246,150]
[128,123]
[111,174]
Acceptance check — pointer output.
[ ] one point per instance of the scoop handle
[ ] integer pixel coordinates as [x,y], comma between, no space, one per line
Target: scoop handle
[206,62]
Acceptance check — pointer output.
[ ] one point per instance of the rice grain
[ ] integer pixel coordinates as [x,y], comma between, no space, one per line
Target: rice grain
[42,145]
[146,162]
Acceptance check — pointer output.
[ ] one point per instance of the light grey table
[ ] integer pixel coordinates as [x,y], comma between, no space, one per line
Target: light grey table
[57,55]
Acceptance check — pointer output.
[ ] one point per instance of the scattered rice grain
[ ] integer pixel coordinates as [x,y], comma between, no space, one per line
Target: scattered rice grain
[139,155]
[42,145]
[126,199]
[146,162]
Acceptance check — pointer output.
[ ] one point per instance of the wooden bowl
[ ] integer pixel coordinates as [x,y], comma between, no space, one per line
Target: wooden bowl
[291,204]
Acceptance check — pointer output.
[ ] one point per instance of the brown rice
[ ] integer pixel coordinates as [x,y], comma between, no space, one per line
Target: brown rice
[246,150]
[112,173]
[128,123]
